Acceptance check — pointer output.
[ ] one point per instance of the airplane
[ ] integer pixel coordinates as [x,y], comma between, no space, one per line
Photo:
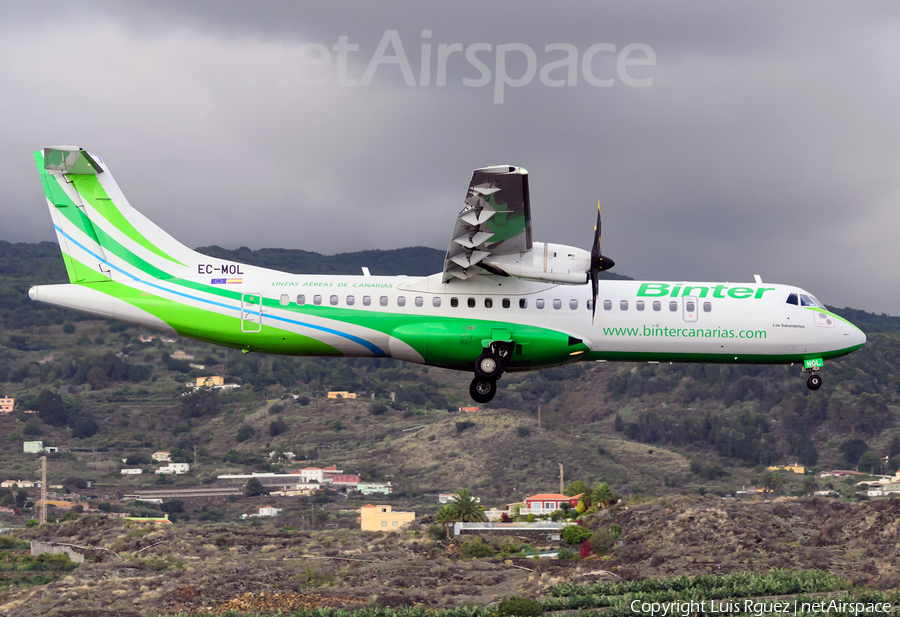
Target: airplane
[503,302]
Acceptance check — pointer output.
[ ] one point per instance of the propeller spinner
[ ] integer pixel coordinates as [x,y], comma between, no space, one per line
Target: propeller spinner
[598,264]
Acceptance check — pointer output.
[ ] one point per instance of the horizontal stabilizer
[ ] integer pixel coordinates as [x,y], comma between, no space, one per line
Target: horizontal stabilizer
[70,160]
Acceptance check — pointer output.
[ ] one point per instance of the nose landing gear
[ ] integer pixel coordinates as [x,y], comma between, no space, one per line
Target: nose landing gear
[814,382]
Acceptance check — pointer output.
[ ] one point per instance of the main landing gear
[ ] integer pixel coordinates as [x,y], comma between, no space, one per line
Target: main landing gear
[488,369]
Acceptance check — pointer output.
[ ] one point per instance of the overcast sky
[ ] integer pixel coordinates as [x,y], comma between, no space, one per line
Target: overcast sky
[729,139]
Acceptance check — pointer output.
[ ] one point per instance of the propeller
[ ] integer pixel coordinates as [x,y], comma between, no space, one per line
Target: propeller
[598,264]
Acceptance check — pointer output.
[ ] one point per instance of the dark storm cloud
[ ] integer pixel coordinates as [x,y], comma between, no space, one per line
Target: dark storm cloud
[766,144]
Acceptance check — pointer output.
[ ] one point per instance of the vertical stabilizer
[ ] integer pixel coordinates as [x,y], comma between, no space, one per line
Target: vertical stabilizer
[101,236]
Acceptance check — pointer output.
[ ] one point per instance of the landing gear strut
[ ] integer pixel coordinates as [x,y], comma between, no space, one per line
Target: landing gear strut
[812,366]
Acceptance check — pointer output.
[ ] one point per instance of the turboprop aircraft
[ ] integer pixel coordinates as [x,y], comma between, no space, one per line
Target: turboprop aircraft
[503,301]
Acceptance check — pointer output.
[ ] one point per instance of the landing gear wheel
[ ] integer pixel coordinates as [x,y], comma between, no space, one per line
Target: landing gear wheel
[482,390]
[814,382]
[488,366]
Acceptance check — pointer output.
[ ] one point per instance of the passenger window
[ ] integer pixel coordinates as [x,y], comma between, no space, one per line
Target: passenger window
[673,306]
[436,301]
[539,303]
[689,306]
[401,300]
[285,299]
[383,301]
[505,303]
[657,306]
[523,303]
[301,299]
[806,300]
[573,304]
[639,305]
[470,302]
[792,299]
[488,303]
[367,300]
[454,302]
[623,305]
[607,305]
[351,300]
[707,307]
[557,304]
[420,301]
[317,299]
[589,304]
[333,300]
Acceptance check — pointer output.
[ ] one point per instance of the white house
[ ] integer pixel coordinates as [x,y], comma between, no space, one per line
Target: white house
[174,468]
[312,474]
[267,511]
[131,472]
[161,457]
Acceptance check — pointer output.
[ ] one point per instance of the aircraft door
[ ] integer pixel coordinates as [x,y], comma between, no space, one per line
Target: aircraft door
[251,312]
[690,308]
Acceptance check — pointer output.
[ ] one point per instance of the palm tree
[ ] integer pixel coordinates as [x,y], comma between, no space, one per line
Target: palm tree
[604,496]
[774,483]
[465,508]
[810,485]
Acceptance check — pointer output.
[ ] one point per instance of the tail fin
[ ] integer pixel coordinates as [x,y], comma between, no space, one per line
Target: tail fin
[101,236]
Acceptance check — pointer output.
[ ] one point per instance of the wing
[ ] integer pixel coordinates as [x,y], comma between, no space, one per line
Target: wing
[495,221]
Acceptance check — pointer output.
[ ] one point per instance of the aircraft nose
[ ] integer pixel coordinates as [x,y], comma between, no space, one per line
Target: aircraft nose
[857,336]
[33,293]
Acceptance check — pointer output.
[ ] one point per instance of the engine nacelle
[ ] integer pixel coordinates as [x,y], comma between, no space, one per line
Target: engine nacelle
[555,263]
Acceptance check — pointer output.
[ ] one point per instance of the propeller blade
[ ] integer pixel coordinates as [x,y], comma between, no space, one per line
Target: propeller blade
[595,248]
[598,264]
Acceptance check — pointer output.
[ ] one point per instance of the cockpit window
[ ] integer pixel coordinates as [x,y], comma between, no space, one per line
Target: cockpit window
[806,300]
[816,300]
[792,299]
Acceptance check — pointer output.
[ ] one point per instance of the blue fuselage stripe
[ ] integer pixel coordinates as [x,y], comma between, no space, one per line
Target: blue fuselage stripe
[350,337]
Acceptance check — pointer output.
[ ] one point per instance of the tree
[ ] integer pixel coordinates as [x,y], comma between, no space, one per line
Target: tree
[894,447]
[254,487]
[853,449]
[774,482]
[137,459]
[277,427]
[200,403]
[21,498]
[575,488]
[465,508]
[619,425]
[245,432]
[602,541]
[51,407]
[604,496]
[172,507]
[810,485]
[869,462]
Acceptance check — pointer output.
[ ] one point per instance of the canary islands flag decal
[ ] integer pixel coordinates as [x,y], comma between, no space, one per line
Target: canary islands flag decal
[226,281]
